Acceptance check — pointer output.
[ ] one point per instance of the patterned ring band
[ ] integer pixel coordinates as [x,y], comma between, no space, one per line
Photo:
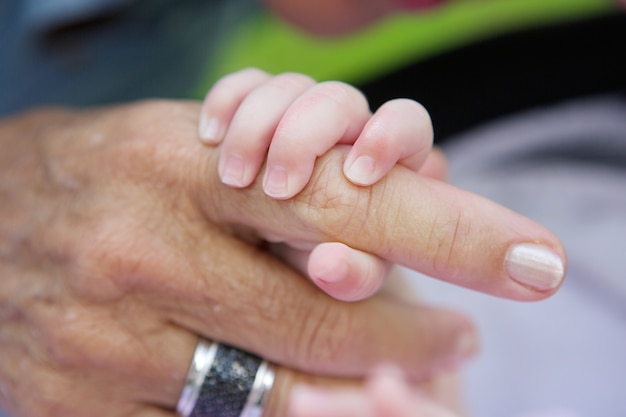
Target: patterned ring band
[223,381]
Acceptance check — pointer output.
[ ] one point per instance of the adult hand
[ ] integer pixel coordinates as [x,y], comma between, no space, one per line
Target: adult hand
[286,122]
[119,247]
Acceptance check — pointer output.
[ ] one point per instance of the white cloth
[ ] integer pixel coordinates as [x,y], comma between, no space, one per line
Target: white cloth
[566,168]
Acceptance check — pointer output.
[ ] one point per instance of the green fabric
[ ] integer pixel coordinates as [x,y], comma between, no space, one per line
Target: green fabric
[267,43]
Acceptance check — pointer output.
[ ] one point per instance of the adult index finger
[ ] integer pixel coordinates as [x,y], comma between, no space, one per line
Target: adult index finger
[423,224]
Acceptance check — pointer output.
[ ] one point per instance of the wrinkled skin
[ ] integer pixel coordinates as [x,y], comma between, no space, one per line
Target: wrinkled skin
[119,246]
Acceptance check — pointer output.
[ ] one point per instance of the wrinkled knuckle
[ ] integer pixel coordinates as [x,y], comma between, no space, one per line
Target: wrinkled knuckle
[449,244]
[327,205]
[322,193]
[324,338]
[112,264]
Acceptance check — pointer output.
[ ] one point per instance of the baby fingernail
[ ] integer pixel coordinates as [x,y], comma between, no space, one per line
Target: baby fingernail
[535,266]
[362,170]
[209,129]
[275,183]
[233,171]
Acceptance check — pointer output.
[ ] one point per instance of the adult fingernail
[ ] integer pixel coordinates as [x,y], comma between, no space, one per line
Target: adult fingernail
[535,266]
[209,129]
[233,171]
[362,170]
[275,183]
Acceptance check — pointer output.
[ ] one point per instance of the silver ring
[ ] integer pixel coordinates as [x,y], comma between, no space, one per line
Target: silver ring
[223,381]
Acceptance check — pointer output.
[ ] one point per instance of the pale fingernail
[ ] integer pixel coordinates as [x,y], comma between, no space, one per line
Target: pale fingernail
[362,170]
[209,129]
[275,183]
[233,171]
[535,266]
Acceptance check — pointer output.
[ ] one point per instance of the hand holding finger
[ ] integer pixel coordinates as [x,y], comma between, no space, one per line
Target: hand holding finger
[343,272]
[426,225]
[399,132]
[254,106]
[128,262]
[349,274]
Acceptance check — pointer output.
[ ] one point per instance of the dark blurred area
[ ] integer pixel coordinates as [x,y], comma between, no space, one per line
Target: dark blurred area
[512,72]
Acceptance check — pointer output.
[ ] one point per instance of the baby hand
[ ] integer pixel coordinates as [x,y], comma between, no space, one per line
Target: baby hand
[289,120]
[292,120]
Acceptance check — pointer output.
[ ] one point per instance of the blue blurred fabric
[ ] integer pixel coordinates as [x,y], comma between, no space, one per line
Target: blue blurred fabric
[92,52]
[89,52]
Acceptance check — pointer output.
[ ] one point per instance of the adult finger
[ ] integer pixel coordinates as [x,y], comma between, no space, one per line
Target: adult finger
[221,287]
[241,296]
[399,132]
[423,224]
[218,287]
[178,249]
[138,263]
